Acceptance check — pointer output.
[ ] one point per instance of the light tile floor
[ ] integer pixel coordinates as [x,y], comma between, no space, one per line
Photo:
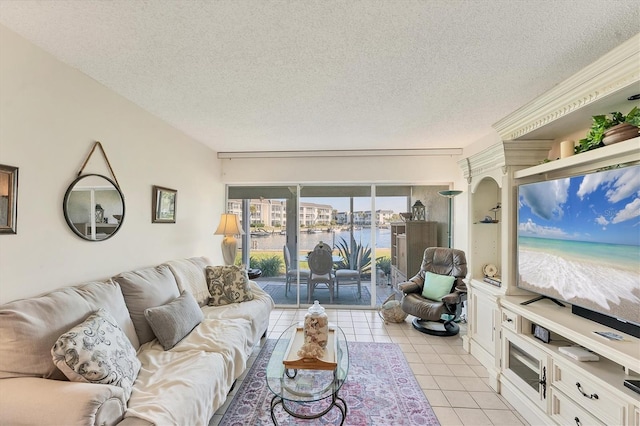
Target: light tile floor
[453,381]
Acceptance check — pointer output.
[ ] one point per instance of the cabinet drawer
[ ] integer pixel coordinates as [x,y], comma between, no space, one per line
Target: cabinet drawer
[589,395]
[566,412]
[509,320]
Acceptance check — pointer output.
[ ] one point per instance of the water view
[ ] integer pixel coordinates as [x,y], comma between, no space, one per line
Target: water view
[275,241]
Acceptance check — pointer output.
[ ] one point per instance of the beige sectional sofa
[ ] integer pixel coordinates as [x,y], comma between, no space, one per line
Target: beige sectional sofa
[154,308]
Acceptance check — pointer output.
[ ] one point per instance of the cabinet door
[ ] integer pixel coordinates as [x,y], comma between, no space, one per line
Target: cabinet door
[484,317]
[527,368]
[402,253]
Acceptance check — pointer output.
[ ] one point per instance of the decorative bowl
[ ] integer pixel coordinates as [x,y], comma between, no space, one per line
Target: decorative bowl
[118,217]
[406,216]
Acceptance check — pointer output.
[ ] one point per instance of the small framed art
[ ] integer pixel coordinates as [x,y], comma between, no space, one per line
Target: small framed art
[163,208]
[8,199]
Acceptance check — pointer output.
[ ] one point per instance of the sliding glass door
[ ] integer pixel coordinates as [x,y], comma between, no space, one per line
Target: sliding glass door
[282,224]
[340,217]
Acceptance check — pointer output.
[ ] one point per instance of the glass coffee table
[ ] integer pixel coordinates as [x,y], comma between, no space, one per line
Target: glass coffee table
[310,382]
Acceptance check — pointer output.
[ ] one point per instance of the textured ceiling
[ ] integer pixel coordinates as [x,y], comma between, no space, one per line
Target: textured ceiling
[310,75]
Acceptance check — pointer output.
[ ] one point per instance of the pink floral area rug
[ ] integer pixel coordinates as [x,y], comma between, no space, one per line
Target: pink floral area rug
[380,390]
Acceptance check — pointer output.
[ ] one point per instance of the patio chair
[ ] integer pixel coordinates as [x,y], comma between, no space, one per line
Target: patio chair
[292,273]
[321,266]
[350,276]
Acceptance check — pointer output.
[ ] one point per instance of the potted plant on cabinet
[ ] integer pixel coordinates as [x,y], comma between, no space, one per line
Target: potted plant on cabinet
[609,129]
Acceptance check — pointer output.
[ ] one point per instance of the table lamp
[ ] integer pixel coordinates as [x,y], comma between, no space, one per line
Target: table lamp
[229,226]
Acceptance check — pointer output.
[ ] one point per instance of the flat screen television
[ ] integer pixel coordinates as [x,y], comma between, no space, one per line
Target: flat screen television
[578,241]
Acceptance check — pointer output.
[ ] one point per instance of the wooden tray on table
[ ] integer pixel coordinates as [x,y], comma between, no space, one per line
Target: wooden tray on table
[328,361]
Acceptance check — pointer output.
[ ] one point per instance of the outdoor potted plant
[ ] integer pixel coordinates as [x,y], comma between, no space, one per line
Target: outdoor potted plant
[609,129]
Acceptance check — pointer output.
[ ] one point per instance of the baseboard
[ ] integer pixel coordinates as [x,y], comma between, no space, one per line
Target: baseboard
[488,361]
[529,411]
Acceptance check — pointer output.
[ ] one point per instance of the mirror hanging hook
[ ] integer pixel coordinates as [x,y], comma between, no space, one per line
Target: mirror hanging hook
[104,154]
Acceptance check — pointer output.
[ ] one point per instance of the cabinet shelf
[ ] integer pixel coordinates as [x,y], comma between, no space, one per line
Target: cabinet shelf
[560,320]
[623,152]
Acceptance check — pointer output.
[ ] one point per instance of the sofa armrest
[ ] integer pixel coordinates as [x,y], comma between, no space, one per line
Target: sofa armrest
[36,401]
[134,421]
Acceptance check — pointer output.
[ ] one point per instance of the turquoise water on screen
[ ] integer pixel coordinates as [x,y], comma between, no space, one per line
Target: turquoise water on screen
[616,256]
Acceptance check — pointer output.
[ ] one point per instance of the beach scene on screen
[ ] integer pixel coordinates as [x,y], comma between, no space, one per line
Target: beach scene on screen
[579,240]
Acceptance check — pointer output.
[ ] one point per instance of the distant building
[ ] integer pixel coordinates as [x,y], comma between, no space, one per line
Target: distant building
[363,218]
[272,213]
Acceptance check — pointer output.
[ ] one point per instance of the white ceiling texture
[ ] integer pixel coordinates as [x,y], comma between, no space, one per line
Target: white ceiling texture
[254,75]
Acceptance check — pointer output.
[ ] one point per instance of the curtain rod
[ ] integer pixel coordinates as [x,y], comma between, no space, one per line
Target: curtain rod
[343,153]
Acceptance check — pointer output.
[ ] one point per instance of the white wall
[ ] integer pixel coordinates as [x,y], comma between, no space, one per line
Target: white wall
[50,115]
[421,170]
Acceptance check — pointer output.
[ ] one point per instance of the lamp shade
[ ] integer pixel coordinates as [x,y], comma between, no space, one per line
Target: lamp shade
[229,225]
[449,193]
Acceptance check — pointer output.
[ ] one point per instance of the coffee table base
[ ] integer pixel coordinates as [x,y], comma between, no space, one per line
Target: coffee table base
[336,401]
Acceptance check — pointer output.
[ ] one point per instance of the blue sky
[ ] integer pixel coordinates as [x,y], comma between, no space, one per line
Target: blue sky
[598,207]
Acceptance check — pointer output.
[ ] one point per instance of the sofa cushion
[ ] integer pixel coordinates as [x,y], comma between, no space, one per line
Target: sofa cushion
[173,321]
[228,284]
[97,351]
[146,288]
[30,327]
[255,311]
[190,276]
[178,388]
[230,338]
[437,286]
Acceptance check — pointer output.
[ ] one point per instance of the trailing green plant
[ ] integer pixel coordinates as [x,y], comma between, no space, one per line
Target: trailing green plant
[602,123]
[350,257]
[270,265]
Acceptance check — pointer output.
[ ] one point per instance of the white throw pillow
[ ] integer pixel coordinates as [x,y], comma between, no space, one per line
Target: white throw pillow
[97,351]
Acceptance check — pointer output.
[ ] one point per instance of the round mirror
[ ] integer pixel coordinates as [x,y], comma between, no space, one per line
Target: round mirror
[93,207]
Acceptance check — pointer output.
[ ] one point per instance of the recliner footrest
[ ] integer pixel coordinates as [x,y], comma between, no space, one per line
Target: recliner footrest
[436,328]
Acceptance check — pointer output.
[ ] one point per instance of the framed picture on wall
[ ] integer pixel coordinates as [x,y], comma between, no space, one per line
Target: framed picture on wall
[163,208]
[8,199]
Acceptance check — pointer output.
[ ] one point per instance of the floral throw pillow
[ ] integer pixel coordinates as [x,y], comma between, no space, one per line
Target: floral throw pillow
[97,351]
[228,284]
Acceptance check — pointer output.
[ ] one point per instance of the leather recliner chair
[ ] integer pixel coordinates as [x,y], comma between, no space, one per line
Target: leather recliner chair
[429,312]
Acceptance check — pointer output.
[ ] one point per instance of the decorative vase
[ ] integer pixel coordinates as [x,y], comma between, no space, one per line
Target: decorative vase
[620,132]
[316,326]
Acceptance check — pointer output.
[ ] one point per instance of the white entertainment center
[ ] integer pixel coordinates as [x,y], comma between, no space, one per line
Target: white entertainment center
[543,384]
